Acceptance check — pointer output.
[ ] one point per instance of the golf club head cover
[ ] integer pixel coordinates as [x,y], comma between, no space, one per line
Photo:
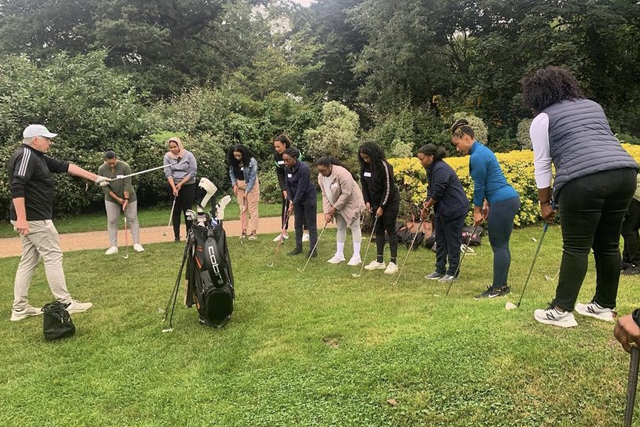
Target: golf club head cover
[222,205]
[206,190]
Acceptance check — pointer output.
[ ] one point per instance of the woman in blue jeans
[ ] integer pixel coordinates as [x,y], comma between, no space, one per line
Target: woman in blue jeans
[493,199]
[593,185]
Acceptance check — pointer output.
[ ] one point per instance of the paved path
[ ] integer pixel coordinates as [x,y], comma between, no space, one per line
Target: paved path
[99,240]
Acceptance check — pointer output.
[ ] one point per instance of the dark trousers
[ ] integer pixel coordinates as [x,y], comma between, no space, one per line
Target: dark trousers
[630,226]
[591,210]
[387,222]
[185,199]
[500,226]
[448,241]
[306,214]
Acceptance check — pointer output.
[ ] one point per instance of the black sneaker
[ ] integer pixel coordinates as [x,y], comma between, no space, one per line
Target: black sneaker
[625,265]
[631,271]
[434,276]
[296,251]
[492,292]
[312,254]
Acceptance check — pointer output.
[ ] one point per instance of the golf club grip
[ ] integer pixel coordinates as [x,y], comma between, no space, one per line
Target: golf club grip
[632,385]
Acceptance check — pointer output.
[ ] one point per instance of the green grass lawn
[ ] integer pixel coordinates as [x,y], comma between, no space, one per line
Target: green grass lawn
[317,348]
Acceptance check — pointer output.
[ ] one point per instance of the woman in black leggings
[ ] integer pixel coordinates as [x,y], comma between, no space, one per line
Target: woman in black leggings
[381,197]
[180,171]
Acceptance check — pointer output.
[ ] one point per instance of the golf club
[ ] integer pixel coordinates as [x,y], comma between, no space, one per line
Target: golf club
[373,230]
[510,305]
[280,241]
[126,239]
[464,252]
[312,251]
[173,205]
[138,173]
[408,252]
[632,385]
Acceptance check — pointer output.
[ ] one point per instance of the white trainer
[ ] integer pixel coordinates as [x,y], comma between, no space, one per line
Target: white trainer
[277,238]
[78,307]
[112,250]
[593,309]
[375,265]
[392,268]
[552,316]
[17,315]
[305,237]
[138,247]
[336,259]
[355,260]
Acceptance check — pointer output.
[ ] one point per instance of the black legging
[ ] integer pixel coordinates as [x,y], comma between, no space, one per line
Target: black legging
[387,223]
[283,213]
[185,199]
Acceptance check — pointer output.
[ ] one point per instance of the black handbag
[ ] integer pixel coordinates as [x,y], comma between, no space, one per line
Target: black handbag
[57,322]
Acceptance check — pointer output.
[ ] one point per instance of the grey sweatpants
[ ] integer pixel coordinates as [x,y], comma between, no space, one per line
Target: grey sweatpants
[113,217]
[41,242]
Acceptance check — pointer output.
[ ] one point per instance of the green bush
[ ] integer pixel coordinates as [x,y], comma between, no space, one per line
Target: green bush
[269,187]
[336,136]
[523,136]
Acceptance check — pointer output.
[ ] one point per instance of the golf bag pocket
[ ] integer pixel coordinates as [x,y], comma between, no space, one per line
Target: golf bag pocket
[57,322]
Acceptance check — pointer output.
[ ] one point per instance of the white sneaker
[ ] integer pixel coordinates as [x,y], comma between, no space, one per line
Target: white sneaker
[138,247]
[336,259]
[375,265]
[392,268]
[78,307]
[447,278]
[355,260]
[305,237]
[277,238]
[24,313]
[112,250]
[551,316]
[593,309]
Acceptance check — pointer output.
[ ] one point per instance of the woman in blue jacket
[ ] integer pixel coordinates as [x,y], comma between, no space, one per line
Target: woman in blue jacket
[493,199]
[243,171]
[450,205]
[302,198]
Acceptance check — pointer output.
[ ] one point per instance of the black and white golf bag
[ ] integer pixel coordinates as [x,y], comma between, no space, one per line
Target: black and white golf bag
[208,277]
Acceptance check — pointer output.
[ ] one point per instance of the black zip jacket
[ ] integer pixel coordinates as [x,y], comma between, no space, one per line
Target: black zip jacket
[378,186]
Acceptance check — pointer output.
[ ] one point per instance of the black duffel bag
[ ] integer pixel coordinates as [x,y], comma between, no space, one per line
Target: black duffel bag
[57,321]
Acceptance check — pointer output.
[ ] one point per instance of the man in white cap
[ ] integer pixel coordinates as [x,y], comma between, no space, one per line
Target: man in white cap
[32,189]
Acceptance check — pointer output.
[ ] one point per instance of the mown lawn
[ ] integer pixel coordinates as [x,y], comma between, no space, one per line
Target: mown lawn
[312,349]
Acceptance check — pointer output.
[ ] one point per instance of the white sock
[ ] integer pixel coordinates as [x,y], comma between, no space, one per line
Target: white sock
[356,249]
[340,249]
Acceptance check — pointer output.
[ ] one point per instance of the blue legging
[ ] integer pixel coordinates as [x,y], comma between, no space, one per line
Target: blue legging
[500,225]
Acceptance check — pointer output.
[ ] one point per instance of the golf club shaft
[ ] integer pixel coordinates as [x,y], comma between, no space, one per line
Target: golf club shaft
[315,246]
[173,205]
[139,173]
[632,385]
[409,251]
[535,257]
[275,255]
[455,275]
[373,230]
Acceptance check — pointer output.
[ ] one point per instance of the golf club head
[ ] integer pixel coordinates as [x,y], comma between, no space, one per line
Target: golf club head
[164,233]
[270,264]
[355,275]
[547,277]
[301,270]
[167,330]
[510,306]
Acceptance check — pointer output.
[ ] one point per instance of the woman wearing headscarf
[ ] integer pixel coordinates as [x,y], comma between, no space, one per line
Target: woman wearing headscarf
[341,200]
[180,171]
[382,198]
[493,199]
[450,205]
[301,194]
[119,196]
[595,179]
[243,171]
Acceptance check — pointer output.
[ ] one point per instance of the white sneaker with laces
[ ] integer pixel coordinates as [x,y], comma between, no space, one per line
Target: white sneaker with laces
[552,316]
[112,250]
[375,265]
[305,237]
[355,260]
[593,309]
[17,315]
[78,307]
[138,247]
[392,268]
[336,259]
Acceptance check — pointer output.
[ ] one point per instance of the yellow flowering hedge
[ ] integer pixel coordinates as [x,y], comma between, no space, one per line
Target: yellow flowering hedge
[517,167]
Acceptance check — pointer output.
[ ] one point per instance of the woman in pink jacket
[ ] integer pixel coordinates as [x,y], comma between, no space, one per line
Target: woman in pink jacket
[341,200]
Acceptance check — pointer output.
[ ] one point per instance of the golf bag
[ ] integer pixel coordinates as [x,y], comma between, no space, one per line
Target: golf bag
[474,239]
[209,279]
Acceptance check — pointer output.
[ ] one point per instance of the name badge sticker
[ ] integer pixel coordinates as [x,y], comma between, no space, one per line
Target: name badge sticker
[367,174]
[289,175]
[334,185]
[281,162]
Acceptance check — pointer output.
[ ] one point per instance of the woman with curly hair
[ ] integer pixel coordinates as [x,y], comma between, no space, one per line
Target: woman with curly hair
[243,172]
[595,179]
[381,196]
[493,199]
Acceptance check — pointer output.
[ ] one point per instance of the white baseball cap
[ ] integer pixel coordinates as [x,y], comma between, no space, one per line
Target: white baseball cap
[37,130]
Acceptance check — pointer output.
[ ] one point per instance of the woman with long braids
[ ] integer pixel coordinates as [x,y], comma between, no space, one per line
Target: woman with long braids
[341,200]
[243,172]
[181,176]
[382,198]
[493,199]
[595,179]
[450,205]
